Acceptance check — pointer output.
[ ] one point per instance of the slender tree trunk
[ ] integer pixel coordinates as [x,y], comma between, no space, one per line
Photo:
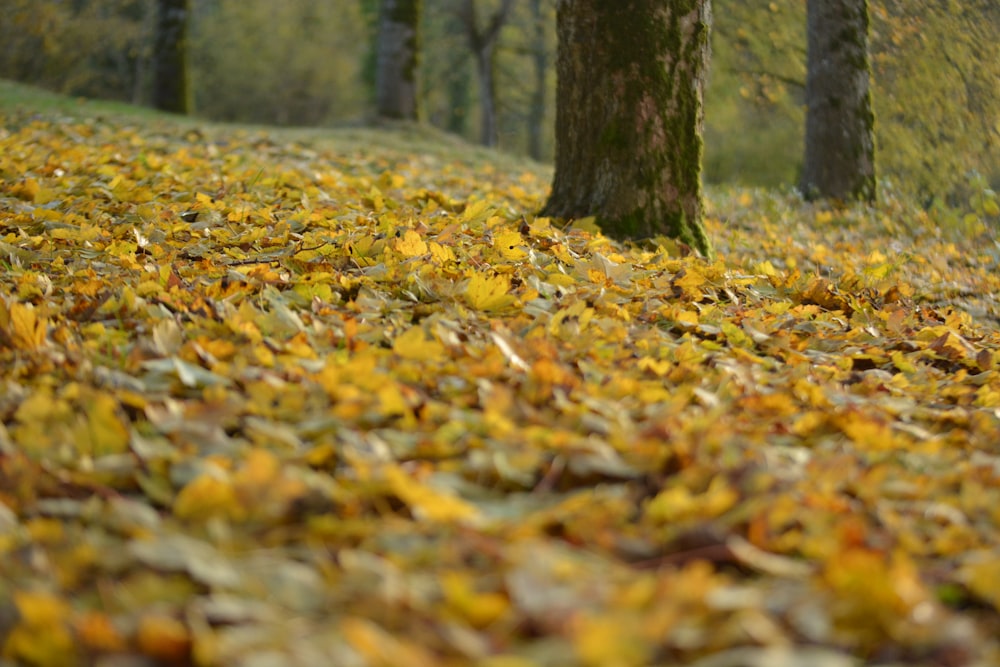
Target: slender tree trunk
[629,116]
[397,60]
[489,133]
[840,126]
[171,72]
[483,42]
[458,81]
[536,114]
[458,99]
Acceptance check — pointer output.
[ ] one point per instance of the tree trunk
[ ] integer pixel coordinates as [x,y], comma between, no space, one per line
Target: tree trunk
[840,126]
[536,114]
[629,116]
[458,81]
[171,73]
[458,99]
[483,44]
[397,60]
[489,133]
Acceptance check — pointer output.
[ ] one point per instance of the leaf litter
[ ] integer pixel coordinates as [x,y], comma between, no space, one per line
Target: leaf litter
[267,401]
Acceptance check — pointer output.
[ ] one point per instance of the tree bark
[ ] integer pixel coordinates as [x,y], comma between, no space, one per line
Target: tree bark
[397,60]
[840,126]
[629,116]
[171,72]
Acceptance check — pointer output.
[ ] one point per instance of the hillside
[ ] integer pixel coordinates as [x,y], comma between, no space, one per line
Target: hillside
[339,397]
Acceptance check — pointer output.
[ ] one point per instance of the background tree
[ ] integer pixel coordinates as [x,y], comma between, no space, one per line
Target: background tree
[171,69]
[629,116]
[397,59]
[755,100]
[482,40]
[294,62]
[840,126]
[540,58]
[936,68]
[96,48]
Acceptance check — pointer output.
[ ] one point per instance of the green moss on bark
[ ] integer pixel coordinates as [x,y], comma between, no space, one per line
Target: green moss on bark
[645,62]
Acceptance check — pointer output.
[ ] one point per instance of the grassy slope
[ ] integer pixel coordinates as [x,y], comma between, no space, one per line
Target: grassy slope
[336,396]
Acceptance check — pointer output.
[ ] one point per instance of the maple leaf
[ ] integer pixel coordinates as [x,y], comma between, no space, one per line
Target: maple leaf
[489,293]
[21,326]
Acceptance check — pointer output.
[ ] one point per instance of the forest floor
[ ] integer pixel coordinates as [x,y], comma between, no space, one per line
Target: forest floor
[338,397]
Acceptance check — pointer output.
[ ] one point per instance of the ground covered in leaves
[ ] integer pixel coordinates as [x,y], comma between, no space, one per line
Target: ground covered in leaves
[274,401]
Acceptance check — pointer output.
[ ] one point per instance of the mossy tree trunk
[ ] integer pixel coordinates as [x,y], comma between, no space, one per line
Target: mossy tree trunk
[397,60]
[171,71]
[840,125]
[629,116]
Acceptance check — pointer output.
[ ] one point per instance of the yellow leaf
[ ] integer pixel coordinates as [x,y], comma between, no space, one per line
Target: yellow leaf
[260,468]
[900,361]
[687,279]
[102,430]
[27,189]
[428,504]
[476,211]
[766,268]
[21,326]
[510,245]
[416,345]
[678,503]
[983,579]
[867,432]
[477,609]
[41,609]
[687,317]
[378,648]
[375,200]
[42,638]
[873,590]
[588,224]
[411,244]
[441,253]
[488,293]
[609,641]
[391,400]
[659,367]
[207,496]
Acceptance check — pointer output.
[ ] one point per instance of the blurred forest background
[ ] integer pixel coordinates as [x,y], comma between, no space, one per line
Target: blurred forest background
[936,71]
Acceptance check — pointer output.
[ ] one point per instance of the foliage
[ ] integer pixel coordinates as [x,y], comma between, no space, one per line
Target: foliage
[937,66]
[936,75]
[754,115]
[451,91]
[269,400]
[94,48]
[284,63]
